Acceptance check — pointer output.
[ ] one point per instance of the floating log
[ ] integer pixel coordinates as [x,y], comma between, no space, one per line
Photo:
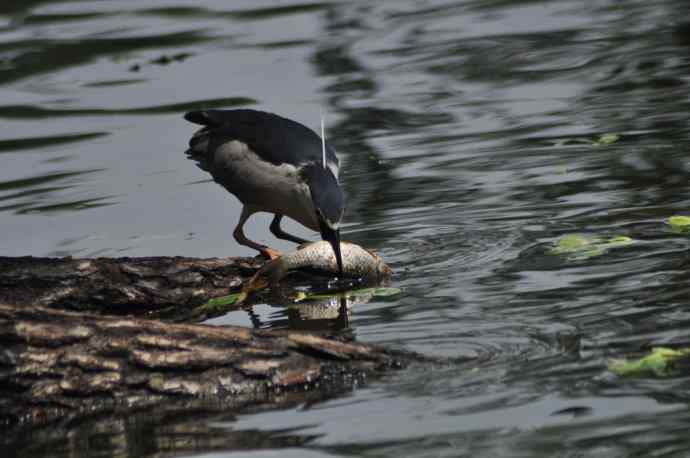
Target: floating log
[71,349]
[56,364]
[120,285]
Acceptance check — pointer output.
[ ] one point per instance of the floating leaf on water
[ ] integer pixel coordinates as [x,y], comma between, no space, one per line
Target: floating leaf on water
[386,292]
[679,223]
[624,239]
[658,362]
[606,139]
[615,242]
[603,139]
[570,243]
[360,292]
[580,246]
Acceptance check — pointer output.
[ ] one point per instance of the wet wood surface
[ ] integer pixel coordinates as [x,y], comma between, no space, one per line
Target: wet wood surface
[120,285]
[74,342]
[55,363]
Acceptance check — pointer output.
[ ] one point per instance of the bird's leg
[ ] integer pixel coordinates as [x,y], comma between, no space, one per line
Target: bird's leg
[270,253]
[281,234]
[242,239]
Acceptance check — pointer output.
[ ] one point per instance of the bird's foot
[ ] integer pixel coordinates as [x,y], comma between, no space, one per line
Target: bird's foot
[270,253]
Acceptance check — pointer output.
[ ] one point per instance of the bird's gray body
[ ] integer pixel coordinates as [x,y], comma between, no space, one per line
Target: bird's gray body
[260,185]
[250,153]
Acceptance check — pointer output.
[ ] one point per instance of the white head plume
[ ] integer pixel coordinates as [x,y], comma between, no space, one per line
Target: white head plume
[323,139]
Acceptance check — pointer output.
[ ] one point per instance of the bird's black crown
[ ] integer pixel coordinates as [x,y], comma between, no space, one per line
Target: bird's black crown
[326,193]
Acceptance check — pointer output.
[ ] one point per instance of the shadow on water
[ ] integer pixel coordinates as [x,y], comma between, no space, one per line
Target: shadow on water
[474,136]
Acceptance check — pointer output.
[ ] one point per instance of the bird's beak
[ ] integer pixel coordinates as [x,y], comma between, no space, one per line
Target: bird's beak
[332,236]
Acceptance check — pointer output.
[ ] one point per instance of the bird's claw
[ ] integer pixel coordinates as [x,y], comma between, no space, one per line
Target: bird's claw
[270,253]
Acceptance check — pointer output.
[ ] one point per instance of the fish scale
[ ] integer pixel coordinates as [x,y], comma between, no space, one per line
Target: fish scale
[358,262]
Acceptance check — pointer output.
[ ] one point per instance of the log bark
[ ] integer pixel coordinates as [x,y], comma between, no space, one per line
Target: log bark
[70,349]
[57,363]
[120,285]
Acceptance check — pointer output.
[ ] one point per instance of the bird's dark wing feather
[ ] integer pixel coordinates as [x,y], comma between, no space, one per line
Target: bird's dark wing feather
[274,138]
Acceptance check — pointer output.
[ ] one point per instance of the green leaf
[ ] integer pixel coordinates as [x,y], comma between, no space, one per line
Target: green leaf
[615,242]
[221,300]
[216,305]
[386,292]
[679,223]
[600,140]
[606,139]
[359,292]
[580,246]
[658,362]
[571,243]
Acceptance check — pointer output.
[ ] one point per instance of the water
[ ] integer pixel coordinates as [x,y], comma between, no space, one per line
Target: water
[468,132]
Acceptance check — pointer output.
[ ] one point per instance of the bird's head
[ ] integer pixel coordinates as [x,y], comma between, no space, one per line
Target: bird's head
[329,206]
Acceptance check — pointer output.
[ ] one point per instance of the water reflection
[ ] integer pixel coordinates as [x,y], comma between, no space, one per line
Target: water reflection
[325,316]
[304,303]
[171,430]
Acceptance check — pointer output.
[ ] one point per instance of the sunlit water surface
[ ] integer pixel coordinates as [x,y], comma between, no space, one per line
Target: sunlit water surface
[470,137]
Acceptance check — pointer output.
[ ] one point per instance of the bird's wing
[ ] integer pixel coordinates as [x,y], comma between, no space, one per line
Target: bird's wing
[274,138]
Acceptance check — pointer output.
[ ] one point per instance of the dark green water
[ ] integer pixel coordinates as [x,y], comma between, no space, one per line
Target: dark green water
[468,132]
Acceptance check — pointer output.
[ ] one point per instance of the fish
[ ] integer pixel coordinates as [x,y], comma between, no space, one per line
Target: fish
[358,262]
[318,256]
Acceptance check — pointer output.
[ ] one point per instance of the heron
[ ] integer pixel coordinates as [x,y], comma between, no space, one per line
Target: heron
[271,164]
